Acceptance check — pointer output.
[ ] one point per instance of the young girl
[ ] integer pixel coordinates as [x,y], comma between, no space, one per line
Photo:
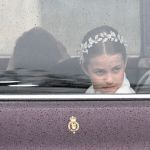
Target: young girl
[104,59]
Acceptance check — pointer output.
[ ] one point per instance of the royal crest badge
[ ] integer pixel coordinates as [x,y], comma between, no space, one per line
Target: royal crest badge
[73,125]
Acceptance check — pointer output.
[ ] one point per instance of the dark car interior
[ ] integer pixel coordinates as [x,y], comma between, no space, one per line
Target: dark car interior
[69,74]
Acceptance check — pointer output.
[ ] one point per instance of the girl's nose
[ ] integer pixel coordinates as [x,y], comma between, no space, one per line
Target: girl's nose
[109,78]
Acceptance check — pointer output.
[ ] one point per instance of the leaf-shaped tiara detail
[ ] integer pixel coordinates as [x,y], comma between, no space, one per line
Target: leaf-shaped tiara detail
[102,37]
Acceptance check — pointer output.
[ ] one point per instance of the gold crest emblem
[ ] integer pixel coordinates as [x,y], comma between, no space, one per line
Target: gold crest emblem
[73,125]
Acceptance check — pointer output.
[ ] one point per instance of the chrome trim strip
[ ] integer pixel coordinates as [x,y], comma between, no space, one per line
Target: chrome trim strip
[73,97]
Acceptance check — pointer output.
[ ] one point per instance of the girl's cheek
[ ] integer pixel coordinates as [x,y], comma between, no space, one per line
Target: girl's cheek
[97,79]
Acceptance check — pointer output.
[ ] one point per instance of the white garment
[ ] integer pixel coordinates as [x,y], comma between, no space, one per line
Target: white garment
[124,89]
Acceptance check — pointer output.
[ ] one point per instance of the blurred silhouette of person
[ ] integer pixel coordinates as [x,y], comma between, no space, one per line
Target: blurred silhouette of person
[37,49]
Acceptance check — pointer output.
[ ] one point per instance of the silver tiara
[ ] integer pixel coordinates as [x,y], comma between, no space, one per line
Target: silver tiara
[101,37]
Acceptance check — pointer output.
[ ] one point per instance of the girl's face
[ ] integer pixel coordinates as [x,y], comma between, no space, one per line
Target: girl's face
[106,72]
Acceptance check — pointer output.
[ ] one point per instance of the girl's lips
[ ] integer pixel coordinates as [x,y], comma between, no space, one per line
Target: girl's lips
[109,88]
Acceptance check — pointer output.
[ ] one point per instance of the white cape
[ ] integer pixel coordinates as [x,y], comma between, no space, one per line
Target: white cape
[124,89]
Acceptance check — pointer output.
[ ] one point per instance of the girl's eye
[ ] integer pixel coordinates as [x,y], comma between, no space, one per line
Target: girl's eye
[100,72]
[116,69]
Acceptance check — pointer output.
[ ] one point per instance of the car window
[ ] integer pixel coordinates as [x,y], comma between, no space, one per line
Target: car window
[49,47]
